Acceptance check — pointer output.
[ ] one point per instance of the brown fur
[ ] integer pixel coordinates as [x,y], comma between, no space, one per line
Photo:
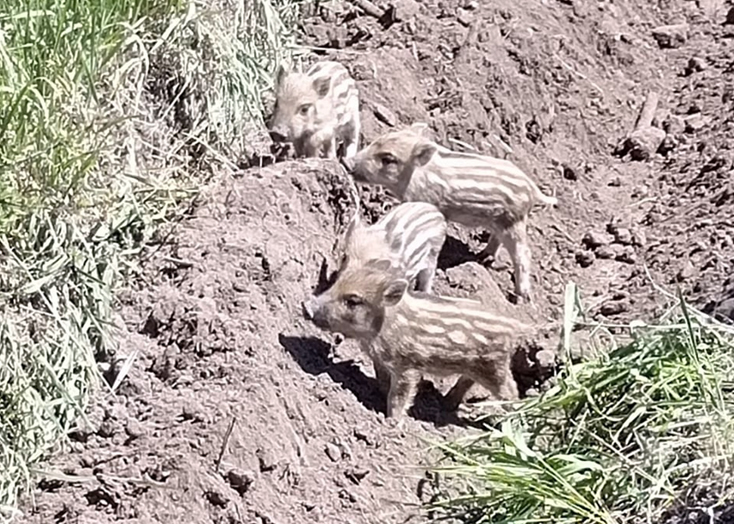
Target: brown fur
[408,333]
[317,110]
[473,190]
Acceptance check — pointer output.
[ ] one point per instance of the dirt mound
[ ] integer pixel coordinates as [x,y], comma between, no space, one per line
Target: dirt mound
[553,86]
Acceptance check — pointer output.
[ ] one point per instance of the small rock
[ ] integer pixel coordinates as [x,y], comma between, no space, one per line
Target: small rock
[107,428]
[546,359]
[584,258]
[685,273]
[333,452]
[725,309]
[265,459]
[384,114]
[569,173]
[605,252]
[622,236]
[87,461]
[80,435]
[364,436]
[626,255]
[216,499]
[532,392]
[670,36]
[471,5]
[668,144]
[356,475]
[347,495]
[674,124]
[695,122]
[695,65]
[192,411]
[593,240]
[463,17]
[609,309]
[134,429]
[643,143]
[639,238]
[614,182]
[240,480]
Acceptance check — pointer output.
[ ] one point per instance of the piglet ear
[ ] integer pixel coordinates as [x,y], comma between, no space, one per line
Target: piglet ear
[423,152]
[355,224]
[280,75]
[419,127]
[394,292]
[379,264]
[322,85]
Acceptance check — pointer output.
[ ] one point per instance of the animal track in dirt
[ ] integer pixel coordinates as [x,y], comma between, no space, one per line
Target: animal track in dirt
[554,86]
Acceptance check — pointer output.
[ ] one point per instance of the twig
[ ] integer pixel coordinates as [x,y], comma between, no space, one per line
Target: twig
[647,113]
[470,40]
[224,443]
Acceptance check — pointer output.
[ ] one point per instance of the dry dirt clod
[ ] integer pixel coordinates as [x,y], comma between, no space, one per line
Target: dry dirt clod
[356,474]
[623,236]
[584,258]
[569,173]
[593,240]
[546,359]
[107,428]
[695,122]
[616,307]
[216,499]
[240,480]
[134,429]
[625,254]
[333,452]
[463,17]
[670,36]
[696,64]
[193,412]
[725,309]
[384,114]
[265,460]
[686,272]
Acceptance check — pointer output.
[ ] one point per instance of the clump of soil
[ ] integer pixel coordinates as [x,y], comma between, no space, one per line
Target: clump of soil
[236,410]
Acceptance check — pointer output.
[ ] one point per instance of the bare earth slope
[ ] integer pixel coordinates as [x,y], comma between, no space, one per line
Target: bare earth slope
[217,321]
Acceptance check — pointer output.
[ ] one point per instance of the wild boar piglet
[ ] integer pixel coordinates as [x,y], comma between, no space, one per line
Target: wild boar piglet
[469,189]
[410,235]
[409,333]
[317,110]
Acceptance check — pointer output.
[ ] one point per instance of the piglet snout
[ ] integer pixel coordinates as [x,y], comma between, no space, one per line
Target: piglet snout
[307,309]
[348,163]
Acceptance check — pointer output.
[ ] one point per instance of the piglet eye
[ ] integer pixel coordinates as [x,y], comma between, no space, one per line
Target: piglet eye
[303,110]
[387,159]
[352,301]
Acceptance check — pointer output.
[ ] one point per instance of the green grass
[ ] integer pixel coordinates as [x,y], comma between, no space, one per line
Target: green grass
[621,437]
[94,157]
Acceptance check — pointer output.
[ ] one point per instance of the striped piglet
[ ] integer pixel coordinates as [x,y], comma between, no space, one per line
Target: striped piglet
[469,189]
[317,111]
[410,236]
[409,333]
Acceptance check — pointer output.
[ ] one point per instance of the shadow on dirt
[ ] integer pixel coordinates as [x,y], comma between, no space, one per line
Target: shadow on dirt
[454,253]
[312,355]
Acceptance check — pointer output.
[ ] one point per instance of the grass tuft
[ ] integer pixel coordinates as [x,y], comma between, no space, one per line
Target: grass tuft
[620,438]
[112,114]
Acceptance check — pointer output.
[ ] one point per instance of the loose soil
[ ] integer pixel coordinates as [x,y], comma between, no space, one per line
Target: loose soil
[236,410]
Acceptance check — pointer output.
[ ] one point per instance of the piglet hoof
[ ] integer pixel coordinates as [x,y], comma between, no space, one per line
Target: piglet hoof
[451,402]
[394,424]
[491,262]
